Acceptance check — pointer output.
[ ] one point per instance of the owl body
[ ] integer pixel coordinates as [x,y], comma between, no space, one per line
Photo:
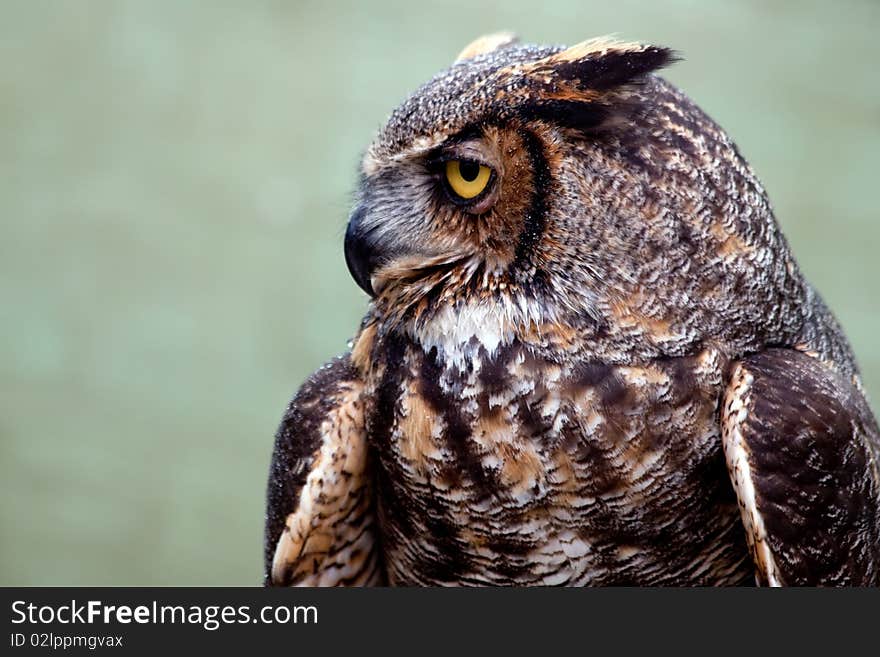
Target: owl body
[589,358]
[553,472]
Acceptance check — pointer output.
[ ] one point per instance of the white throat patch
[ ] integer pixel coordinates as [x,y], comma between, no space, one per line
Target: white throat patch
[458,332]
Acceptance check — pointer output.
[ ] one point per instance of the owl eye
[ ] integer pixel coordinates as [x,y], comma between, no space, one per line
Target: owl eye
[466,178]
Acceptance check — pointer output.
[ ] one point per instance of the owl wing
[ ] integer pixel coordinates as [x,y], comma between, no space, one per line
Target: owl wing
[320,520]
[801,446]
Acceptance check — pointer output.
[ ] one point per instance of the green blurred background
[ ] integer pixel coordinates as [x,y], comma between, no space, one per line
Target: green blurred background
[174,184]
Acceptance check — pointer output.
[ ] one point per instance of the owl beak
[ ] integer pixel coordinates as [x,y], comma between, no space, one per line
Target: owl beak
[360,252]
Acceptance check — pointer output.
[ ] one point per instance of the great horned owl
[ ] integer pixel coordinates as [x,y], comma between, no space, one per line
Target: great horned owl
[589,356]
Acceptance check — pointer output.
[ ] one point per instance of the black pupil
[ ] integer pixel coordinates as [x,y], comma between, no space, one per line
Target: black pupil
[469,170]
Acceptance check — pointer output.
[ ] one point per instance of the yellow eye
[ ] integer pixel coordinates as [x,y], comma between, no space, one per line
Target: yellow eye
[467,178]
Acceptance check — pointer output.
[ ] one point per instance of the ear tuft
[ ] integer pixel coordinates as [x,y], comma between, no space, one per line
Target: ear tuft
[487,43]
[586,86]
[601,64]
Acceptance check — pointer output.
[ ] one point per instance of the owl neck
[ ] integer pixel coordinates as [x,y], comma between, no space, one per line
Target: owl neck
[459,332]
[460,316]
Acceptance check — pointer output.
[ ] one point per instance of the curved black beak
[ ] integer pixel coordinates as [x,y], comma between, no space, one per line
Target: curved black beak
[360,253]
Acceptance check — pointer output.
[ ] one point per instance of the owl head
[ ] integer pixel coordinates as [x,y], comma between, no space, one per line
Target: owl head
[564,196]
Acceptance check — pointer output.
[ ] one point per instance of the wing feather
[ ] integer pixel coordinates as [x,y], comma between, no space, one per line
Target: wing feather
[801,448]
[320,521]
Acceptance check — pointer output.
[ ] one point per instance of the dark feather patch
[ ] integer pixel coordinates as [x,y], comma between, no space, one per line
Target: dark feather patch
[536,218]
[457,430]
[573,114]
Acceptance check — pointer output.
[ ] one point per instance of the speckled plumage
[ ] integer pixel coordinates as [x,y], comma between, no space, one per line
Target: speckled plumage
[552,382]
